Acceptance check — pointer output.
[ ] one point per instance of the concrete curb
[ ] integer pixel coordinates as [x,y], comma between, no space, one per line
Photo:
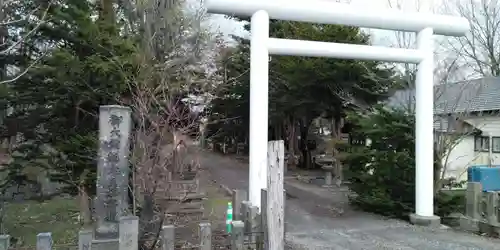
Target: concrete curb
[229,192]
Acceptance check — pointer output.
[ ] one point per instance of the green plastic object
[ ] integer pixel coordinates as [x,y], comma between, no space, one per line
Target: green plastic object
[229,217]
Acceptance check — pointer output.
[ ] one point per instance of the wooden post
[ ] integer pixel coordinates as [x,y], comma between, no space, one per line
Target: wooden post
[44,241]
[263,219]
[129,233]
[238,197]
[275,199]
[253,226]
[168,237]
[259,238]
[284,219]
[4,242]
[237,236]
[473,199]
[205,236]
[245,206]
[85,239]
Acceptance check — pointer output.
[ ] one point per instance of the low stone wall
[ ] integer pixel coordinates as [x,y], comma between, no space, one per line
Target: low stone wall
[482,210]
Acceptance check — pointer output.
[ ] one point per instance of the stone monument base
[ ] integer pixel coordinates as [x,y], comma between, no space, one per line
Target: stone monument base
[106,230]
[426,221]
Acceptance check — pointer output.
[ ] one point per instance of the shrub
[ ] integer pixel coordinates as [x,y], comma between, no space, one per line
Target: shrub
[382,174]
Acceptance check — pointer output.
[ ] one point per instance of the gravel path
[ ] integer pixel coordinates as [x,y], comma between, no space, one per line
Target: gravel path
[318,218]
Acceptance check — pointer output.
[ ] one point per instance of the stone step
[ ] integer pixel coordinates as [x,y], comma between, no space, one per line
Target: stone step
[185,196]
[186,211]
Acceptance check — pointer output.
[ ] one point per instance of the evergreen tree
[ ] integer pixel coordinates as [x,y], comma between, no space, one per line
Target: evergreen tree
[304,88]
[56,102]
[381,174]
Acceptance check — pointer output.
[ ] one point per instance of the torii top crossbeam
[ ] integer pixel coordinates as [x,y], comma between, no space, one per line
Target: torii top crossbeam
[329,12]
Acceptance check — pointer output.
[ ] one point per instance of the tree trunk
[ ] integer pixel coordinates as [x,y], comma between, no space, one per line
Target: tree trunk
[337,125]
[438,178]
[306,158]
[84,206]
[3,39]
[84,200]
[107,12]
[277,132]
[292,142]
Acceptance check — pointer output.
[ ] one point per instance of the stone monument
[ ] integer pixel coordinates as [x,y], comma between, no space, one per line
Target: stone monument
[112,170]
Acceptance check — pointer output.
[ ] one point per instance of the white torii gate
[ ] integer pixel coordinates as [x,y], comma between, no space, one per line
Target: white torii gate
[329,12]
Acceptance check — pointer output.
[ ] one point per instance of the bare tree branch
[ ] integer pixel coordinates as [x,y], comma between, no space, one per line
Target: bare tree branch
[9,49]
[34,63]
[177,68]
[480,49]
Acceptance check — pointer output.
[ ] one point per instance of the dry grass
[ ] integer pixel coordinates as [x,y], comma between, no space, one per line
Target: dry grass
[215,211]
[24,220]
[216,206]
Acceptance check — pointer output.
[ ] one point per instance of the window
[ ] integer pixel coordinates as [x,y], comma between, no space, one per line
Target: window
[482,143]
[496,144]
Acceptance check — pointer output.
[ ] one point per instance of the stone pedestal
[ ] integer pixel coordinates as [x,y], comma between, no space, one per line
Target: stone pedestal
[327,164]
[106,244]
[112,169]
[427,221]
[328,175]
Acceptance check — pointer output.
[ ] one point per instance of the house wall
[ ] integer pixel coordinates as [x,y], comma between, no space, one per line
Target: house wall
[460,158]
[487,124]
[490,125]
[463,155]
